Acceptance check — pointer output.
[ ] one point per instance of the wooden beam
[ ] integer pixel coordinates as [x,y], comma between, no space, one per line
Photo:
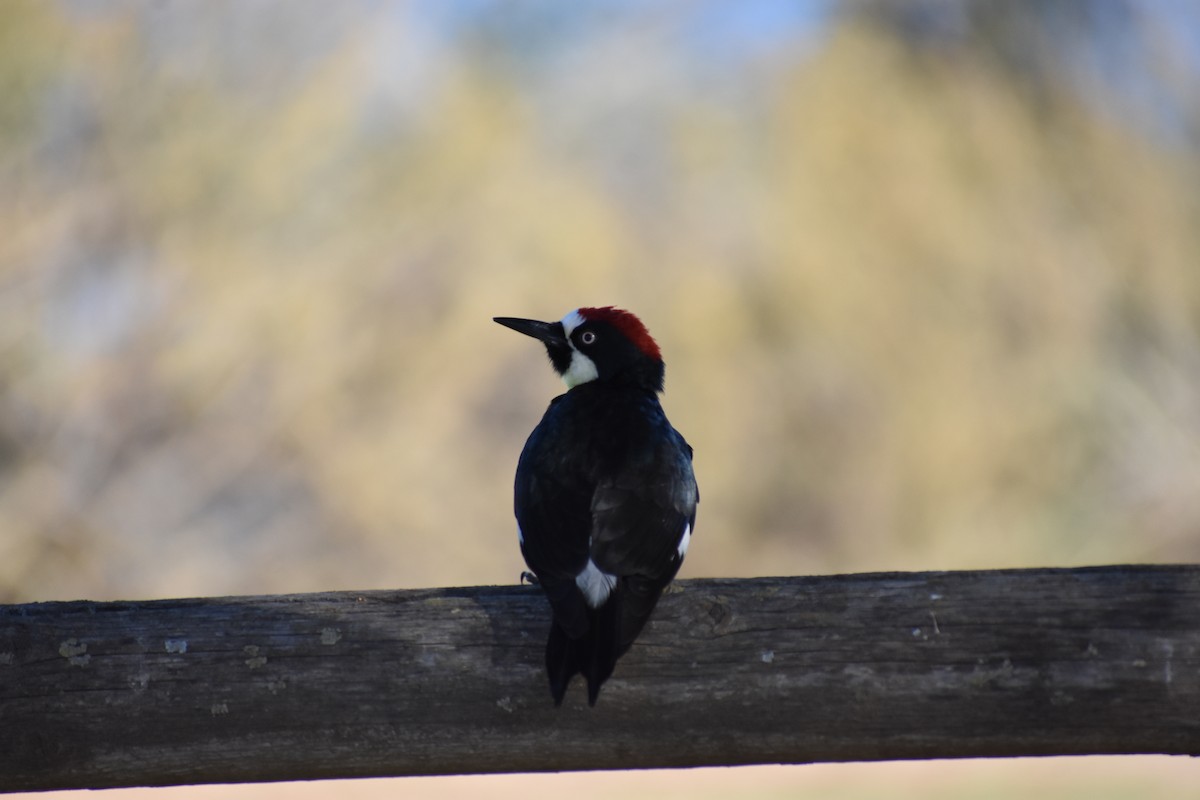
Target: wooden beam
[446,681]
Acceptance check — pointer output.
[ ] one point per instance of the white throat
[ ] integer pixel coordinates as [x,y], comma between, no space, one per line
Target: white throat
[581,369]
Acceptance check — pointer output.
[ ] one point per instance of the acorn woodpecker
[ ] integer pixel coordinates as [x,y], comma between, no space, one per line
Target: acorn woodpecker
[605,496]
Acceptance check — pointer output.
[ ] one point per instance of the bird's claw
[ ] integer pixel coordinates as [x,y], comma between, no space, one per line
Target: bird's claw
[530,578]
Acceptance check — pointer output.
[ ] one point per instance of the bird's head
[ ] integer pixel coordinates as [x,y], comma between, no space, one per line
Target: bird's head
[604,344]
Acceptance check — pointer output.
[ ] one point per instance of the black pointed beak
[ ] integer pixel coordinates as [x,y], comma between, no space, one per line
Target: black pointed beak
[549,332]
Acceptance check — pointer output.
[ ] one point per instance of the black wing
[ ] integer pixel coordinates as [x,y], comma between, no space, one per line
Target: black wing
[554,516]
[640,517]
[627,512]
[554,541]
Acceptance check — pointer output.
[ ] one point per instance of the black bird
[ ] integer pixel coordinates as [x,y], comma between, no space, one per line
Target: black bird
[605,496]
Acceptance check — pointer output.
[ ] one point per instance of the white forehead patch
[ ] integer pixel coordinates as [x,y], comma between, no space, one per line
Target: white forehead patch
[572,321]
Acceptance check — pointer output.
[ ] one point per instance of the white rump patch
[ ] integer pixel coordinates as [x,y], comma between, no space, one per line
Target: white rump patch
[684,541]
[595,585]
[520,536]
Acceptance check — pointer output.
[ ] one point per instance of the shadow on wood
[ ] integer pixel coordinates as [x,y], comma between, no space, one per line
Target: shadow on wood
[448,681]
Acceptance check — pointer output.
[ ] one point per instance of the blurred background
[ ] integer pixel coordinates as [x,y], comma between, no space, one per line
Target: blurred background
[926,276]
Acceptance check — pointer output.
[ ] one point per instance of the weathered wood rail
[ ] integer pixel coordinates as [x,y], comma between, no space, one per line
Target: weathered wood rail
[771,670]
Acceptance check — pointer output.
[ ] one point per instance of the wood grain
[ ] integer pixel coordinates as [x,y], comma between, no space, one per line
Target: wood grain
[446,681]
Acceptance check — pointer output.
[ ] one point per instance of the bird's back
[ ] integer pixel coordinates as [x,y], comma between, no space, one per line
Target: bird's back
[606,501]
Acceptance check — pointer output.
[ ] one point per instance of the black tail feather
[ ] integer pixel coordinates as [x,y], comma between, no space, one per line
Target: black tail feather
[594,654]
[562,662]
[603,645]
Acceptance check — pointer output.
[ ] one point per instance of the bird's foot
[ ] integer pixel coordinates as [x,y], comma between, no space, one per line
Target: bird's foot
[530,578]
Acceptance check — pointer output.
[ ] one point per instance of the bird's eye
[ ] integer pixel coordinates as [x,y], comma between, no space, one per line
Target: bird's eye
[587,337]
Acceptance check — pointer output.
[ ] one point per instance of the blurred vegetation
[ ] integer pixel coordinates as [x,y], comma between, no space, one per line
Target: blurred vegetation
[927,287]
[925,275]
